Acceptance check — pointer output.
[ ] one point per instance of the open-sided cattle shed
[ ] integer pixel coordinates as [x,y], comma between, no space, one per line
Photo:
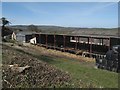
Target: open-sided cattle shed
[91,44]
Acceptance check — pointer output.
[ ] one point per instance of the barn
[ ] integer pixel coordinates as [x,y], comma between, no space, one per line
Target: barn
[93,45]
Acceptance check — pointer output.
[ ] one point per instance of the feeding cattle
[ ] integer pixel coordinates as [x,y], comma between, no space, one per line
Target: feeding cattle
[110,61]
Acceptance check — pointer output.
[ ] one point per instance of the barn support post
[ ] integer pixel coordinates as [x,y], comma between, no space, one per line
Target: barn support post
[89,43]
[64,42]
[46,41]
[54,41]
[76,43]
[90,46]
[40,39]
[79,42]
[109,43]
[102,41]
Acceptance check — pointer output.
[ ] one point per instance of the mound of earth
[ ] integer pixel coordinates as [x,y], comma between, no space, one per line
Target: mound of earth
[40,74]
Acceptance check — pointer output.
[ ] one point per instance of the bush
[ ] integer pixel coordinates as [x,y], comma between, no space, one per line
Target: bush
[8,39]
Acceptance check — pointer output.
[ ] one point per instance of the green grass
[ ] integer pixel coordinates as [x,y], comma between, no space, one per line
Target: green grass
[88,75]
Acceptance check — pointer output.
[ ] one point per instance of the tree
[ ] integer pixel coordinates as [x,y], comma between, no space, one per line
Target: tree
[5,30]
[4,22]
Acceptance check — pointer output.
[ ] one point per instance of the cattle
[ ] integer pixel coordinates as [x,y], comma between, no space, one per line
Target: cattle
[111,59]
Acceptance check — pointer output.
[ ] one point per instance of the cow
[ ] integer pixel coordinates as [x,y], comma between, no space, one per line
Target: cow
[111,59]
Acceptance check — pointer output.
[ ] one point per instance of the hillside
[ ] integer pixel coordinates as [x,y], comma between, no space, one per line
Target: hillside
[70,30]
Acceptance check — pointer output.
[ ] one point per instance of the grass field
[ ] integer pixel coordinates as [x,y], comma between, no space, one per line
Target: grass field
[82,72]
